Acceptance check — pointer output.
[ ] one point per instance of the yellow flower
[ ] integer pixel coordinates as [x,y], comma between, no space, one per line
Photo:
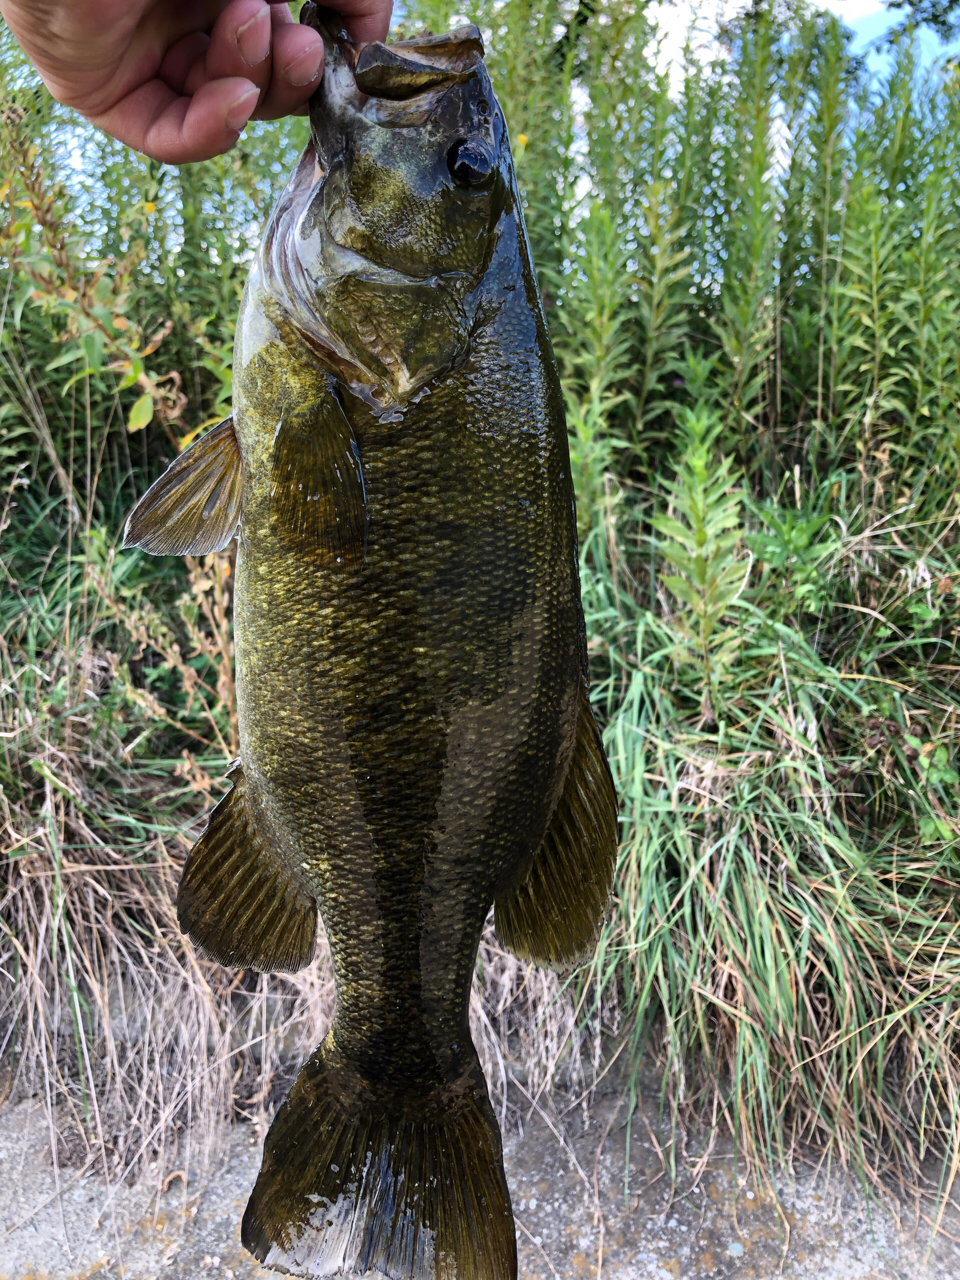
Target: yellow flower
[150,207]
[522,139]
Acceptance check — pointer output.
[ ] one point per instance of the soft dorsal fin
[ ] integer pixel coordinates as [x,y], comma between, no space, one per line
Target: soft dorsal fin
[554,917]
[194,508]
[317,500]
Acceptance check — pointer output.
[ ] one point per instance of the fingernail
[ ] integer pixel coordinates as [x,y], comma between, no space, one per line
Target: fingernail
[240,110]
[305,68]
[253,38]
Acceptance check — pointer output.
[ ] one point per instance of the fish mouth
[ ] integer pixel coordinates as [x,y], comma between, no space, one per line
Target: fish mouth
[406,69]
[410,68]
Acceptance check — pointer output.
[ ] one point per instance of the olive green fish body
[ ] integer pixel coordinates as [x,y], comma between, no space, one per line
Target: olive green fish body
[409,724]
[416,743]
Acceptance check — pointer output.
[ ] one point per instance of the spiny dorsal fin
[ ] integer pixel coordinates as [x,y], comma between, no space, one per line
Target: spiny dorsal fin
[237,899]
[554,917]
[194,508]
[317,500]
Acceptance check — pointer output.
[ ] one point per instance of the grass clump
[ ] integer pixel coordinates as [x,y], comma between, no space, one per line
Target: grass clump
[751,271]
[753,331]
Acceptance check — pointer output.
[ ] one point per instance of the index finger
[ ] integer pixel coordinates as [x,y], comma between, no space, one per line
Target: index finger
[365,19]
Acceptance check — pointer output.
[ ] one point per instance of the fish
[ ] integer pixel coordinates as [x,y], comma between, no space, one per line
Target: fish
[416,739]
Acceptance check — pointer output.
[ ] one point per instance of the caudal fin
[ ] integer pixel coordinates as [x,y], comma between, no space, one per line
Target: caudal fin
[351,1185]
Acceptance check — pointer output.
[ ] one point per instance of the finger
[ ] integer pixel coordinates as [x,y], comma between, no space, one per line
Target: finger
[179,60]
[239,46]
[297,59]
[365,19]
[176,129]
[96,53]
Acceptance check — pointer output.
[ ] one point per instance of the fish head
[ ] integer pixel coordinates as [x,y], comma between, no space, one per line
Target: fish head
[414,173]
[412,143]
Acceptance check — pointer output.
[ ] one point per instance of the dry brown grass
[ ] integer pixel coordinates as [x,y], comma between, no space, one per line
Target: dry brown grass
[142,1050]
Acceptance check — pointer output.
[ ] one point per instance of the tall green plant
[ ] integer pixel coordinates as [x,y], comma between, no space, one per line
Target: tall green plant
[702,536]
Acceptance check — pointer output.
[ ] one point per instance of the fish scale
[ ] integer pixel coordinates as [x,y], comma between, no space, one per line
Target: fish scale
[416,740]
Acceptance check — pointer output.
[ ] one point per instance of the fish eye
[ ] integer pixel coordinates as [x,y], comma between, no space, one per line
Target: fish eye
[470,163]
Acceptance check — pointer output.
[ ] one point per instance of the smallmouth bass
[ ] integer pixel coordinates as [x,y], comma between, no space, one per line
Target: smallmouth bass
[416,742]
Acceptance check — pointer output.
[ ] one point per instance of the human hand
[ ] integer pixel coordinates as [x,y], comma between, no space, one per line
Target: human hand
[179,79]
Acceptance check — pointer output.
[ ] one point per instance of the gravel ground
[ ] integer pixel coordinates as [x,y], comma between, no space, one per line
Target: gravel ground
[724,1228]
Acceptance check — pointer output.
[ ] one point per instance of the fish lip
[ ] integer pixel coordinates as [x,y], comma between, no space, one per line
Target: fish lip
[328,23]
[371,73]
[432,62]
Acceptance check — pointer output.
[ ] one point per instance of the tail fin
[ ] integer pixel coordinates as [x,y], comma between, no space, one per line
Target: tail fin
[348,1185]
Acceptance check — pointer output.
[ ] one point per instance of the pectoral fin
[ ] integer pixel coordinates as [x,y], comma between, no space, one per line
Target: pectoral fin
[237,898]
[194,508]
[317,499]
[554,916]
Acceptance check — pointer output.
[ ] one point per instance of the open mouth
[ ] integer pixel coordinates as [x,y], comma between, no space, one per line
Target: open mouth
[407,69]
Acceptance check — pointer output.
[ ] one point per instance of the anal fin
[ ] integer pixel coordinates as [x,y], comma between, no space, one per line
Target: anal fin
[194,508]
[237,900]
[554,916]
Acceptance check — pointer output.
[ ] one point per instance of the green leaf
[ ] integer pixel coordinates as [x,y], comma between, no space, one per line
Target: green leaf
[75,352]
[132,375]
[141,414]
[934,830]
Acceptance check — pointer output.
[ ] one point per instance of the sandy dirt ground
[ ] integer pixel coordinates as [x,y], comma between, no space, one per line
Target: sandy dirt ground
[573,1217]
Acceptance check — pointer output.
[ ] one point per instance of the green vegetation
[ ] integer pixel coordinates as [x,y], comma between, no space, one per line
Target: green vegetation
[752,277]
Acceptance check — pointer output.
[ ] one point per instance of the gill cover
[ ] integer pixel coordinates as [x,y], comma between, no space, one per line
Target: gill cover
[377,246]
